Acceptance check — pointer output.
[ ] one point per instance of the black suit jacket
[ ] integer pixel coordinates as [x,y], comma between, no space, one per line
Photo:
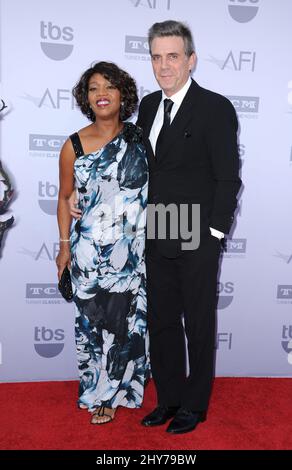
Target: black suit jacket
[199,162]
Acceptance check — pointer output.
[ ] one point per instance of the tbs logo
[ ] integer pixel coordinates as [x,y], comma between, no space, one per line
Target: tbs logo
[225,291]
[53,37]
[243,11]
[48,193]
[48,343]
[287,341]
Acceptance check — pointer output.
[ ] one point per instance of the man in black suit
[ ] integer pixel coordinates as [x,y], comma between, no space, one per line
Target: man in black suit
[192,150]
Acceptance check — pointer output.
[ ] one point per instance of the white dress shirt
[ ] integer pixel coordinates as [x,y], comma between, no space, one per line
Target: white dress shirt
[177,99]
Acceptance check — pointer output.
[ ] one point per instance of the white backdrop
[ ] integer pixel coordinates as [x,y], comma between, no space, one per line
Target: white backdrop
[244,50]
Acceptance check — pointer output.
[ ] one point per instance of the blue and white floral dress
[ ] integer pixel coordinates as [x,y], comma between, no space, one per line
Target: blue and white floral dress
[108,271]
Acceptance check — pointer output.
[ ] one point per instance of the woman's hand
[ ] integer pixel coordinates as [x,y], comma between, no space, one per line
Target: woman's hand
[63,259]
[73,203]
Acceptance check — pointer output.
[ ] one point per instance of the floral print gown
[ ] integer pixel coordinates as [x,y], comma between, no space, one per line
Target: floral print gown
[108,271]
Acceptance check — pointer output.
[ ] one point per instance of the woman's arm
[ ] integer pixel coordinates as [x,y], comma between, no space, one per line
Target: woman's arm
[66,186]
[73,209]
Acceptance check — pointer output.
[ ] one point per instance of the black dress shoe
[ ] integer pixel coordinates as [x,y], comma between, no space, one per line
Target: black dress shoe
[186,421]
[159,416]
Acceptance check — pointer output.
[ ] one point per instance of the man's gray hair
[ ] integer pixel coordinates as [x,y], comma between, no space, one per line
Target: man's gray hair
[172,28]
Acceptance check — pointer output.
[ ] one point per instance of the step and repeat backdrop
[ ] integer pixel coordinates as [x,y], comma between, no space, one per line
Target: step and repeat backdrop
[244,50]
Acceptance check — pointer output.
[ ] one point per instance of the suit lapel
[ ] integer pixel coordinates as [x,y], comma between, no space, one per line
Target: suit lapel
[182,117]
[179,123]
[151,113]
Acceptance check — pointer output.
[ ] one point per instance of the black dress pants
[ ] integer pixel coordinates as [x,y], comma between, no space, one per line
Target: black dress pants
[185,288]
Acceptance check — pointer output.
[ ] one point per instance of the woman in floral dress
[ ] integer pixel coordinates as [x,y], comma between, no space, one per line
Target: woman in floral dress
[105,248]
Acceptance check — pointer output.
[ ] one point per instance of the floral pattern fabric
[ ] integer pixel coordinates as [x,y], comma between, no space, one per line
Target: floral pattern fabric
[108,272]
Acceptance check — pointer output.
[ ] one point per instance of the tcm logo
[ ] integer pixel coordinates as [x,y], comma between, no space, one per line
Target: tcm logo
[42,291]
[243,11]
[48,193]
[48,343]
[287,341]
[55,40]
[46,143]
[284,292]
[152,4]
[225,291]
[236,245]
[136,45]
[224,340]
[245,104]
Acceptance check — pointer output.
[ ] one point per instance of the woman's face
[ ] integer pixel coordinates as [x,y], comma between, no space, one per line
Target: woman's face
[103,97]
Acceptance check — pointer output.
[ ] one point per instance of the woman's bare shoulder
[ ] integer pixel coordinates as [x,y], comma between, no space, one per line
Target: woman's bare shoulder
[85,131]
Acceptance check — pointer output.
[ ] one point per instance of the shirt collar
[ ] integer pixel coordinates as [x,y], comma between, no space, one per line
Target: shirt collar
[178,97]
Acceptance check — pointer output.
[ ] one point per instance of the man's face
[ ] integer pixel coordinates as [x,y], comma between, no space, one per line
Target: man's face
[171,65]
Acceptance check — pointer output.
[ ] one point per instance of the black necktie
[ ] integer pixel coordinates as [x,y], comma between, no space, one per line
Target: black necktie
[166,123]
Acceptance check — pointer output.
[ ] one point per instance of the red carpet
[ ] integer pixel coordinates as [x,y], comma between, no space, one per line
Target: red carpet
[245,413]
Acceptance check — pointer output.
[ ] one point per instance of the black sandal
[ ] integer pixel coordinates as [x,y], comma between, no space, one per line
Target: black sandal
[100,412]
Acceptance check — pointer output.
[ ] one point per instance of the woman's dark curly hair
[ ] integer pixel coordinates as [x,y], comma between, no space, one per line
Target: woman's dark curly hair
[117,77]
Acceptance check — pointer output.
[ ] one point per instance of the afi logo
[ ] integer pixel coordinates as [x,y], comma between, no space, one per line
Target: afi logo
[56,99]
[286,258]
[243,11]
[239,209]
[239,61]
[45,253]
[225,339]
[152,3]
[56,50]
